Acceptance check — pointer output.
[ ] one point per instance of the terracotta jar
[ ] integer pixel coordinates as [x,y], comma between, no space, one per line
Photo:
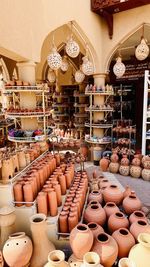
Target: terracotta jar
[114,167]
[146,174]
[116,221]
[127,191]
[62,181]
[42,203]
[18,194]
[131,203]
[125,262]
[104,163]
[72,220]
[104,182]
[138,227]
[21,159]
[15,162]
[17,250]
[91,259]
[81,240]
[124,161]
[63,222]
[110,208]
[95,213]
[96,195]
[125,241]
[7,223]
[58,194]
[106,247]
[136,161]
[28,194]
[114,157]
[140,253]
[124,170]
[39,233]
[137,215]
[95,228]
[52,202]
[135,171]
[56,258]
[113,194]
[7,170]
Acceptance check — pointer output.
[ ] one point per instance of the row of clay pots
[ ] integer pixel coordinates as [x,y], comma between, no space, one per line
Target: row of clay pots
[74,203]
[50,197]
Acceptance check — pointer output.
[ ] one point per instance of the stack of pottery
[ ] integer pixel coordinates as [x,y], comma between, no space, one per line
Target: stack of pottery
[146,170]
[74,203]
[124,166]
[135,169]
[114,165]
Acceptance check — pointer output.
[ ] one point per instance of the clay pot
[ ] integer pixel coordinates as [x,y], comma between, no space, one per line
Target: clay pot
[114,157]
[124,170]
[136,161]
[72,219]
[7,170]
[15,162]
[7,223]
[104,183]
[140,252]
[63,222]
[52,202]
[125,262]
[116,221]
[40,249]
[18,194]
[135,171]
[62,181]
[17,250]
[110,208]
[81,240]
[137,215]
[114,167]
[95,195]
[127,191]
[21,159]
[104,163]
[95,228]
[28,194]
[91,259]
[125,241]
[146,174]
[42,203]
[131,203]
[138,227]
[113,194]
[56,258]
[58,194]
[95,213]
[106,247]
[124,161]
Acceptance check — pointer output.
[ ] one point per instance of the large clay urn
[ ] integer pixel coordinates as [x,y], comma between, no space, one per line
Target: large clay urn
[116,221]
[125,241]
[106,247]
[113,194]
[135,171]
[140,253]
[7,223]
[56,258]
[104,163]
[17,250]
[125,262]
[95,228]
[131,203]
[81,240]
[137,215]
[114,167]
[110,208]
[95,213]
[138,227]
[96,195]
[41,244]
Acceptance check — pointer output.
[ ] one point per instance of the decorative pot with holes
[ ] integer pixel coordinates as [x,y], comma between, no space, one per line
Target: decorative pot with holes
[17,250]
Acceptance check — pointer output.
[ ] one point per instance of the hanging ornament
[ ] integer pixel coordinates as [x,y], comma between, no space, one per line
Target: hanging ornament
[54,59]
[51,76]
[79,76]
[72,48]
[87,66]
[142,50]
[119,68]
[65,64]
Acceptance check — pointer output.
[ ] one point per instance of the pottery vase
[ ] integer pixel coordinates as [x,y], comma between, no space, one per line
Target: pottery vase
[138,227]
[125,262]
[135,171]
[91,259]
[124,170]
[17,250]
[113,194]
[81,240]
[18,194]
[146,174]
[41,244]
[131,203]
[7,170]
[95,213]
[63,222]
[106,247]
[42,203]
[110,208]
[125,241]
[116,221]
[21,159]
[96,195]
[56,258]
[140,253]
[104,163]
[114,157]
[114,167]
[137,215]
[136,161]
[95,228]
[124,160]
[7,223]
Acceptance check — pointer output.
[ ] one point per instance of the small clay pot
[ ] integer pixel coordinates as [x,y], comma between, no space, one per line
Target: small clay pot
[137,215]
[131,203]
[95,228]
[138,227]
[116,221]
[110,208]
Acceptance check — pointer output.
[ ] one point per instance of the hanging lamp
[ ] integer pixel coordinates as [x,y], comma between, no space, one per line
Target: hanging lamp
[87,66]
[79,76]
[65,64]
[142,50]
[72,47]
[54,59]
[119,67]
[51,76]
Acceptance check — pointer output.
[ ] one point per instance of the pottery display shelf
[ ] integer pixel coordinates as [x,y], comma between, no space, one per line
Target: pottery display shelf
[96,125]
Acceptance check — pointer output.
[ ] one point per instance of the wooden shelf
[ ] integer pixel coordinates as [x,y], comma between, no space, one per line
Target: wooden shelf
[99,110]
[25,89]
[27,115]
[97,142]
[99,126]
[99,93]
